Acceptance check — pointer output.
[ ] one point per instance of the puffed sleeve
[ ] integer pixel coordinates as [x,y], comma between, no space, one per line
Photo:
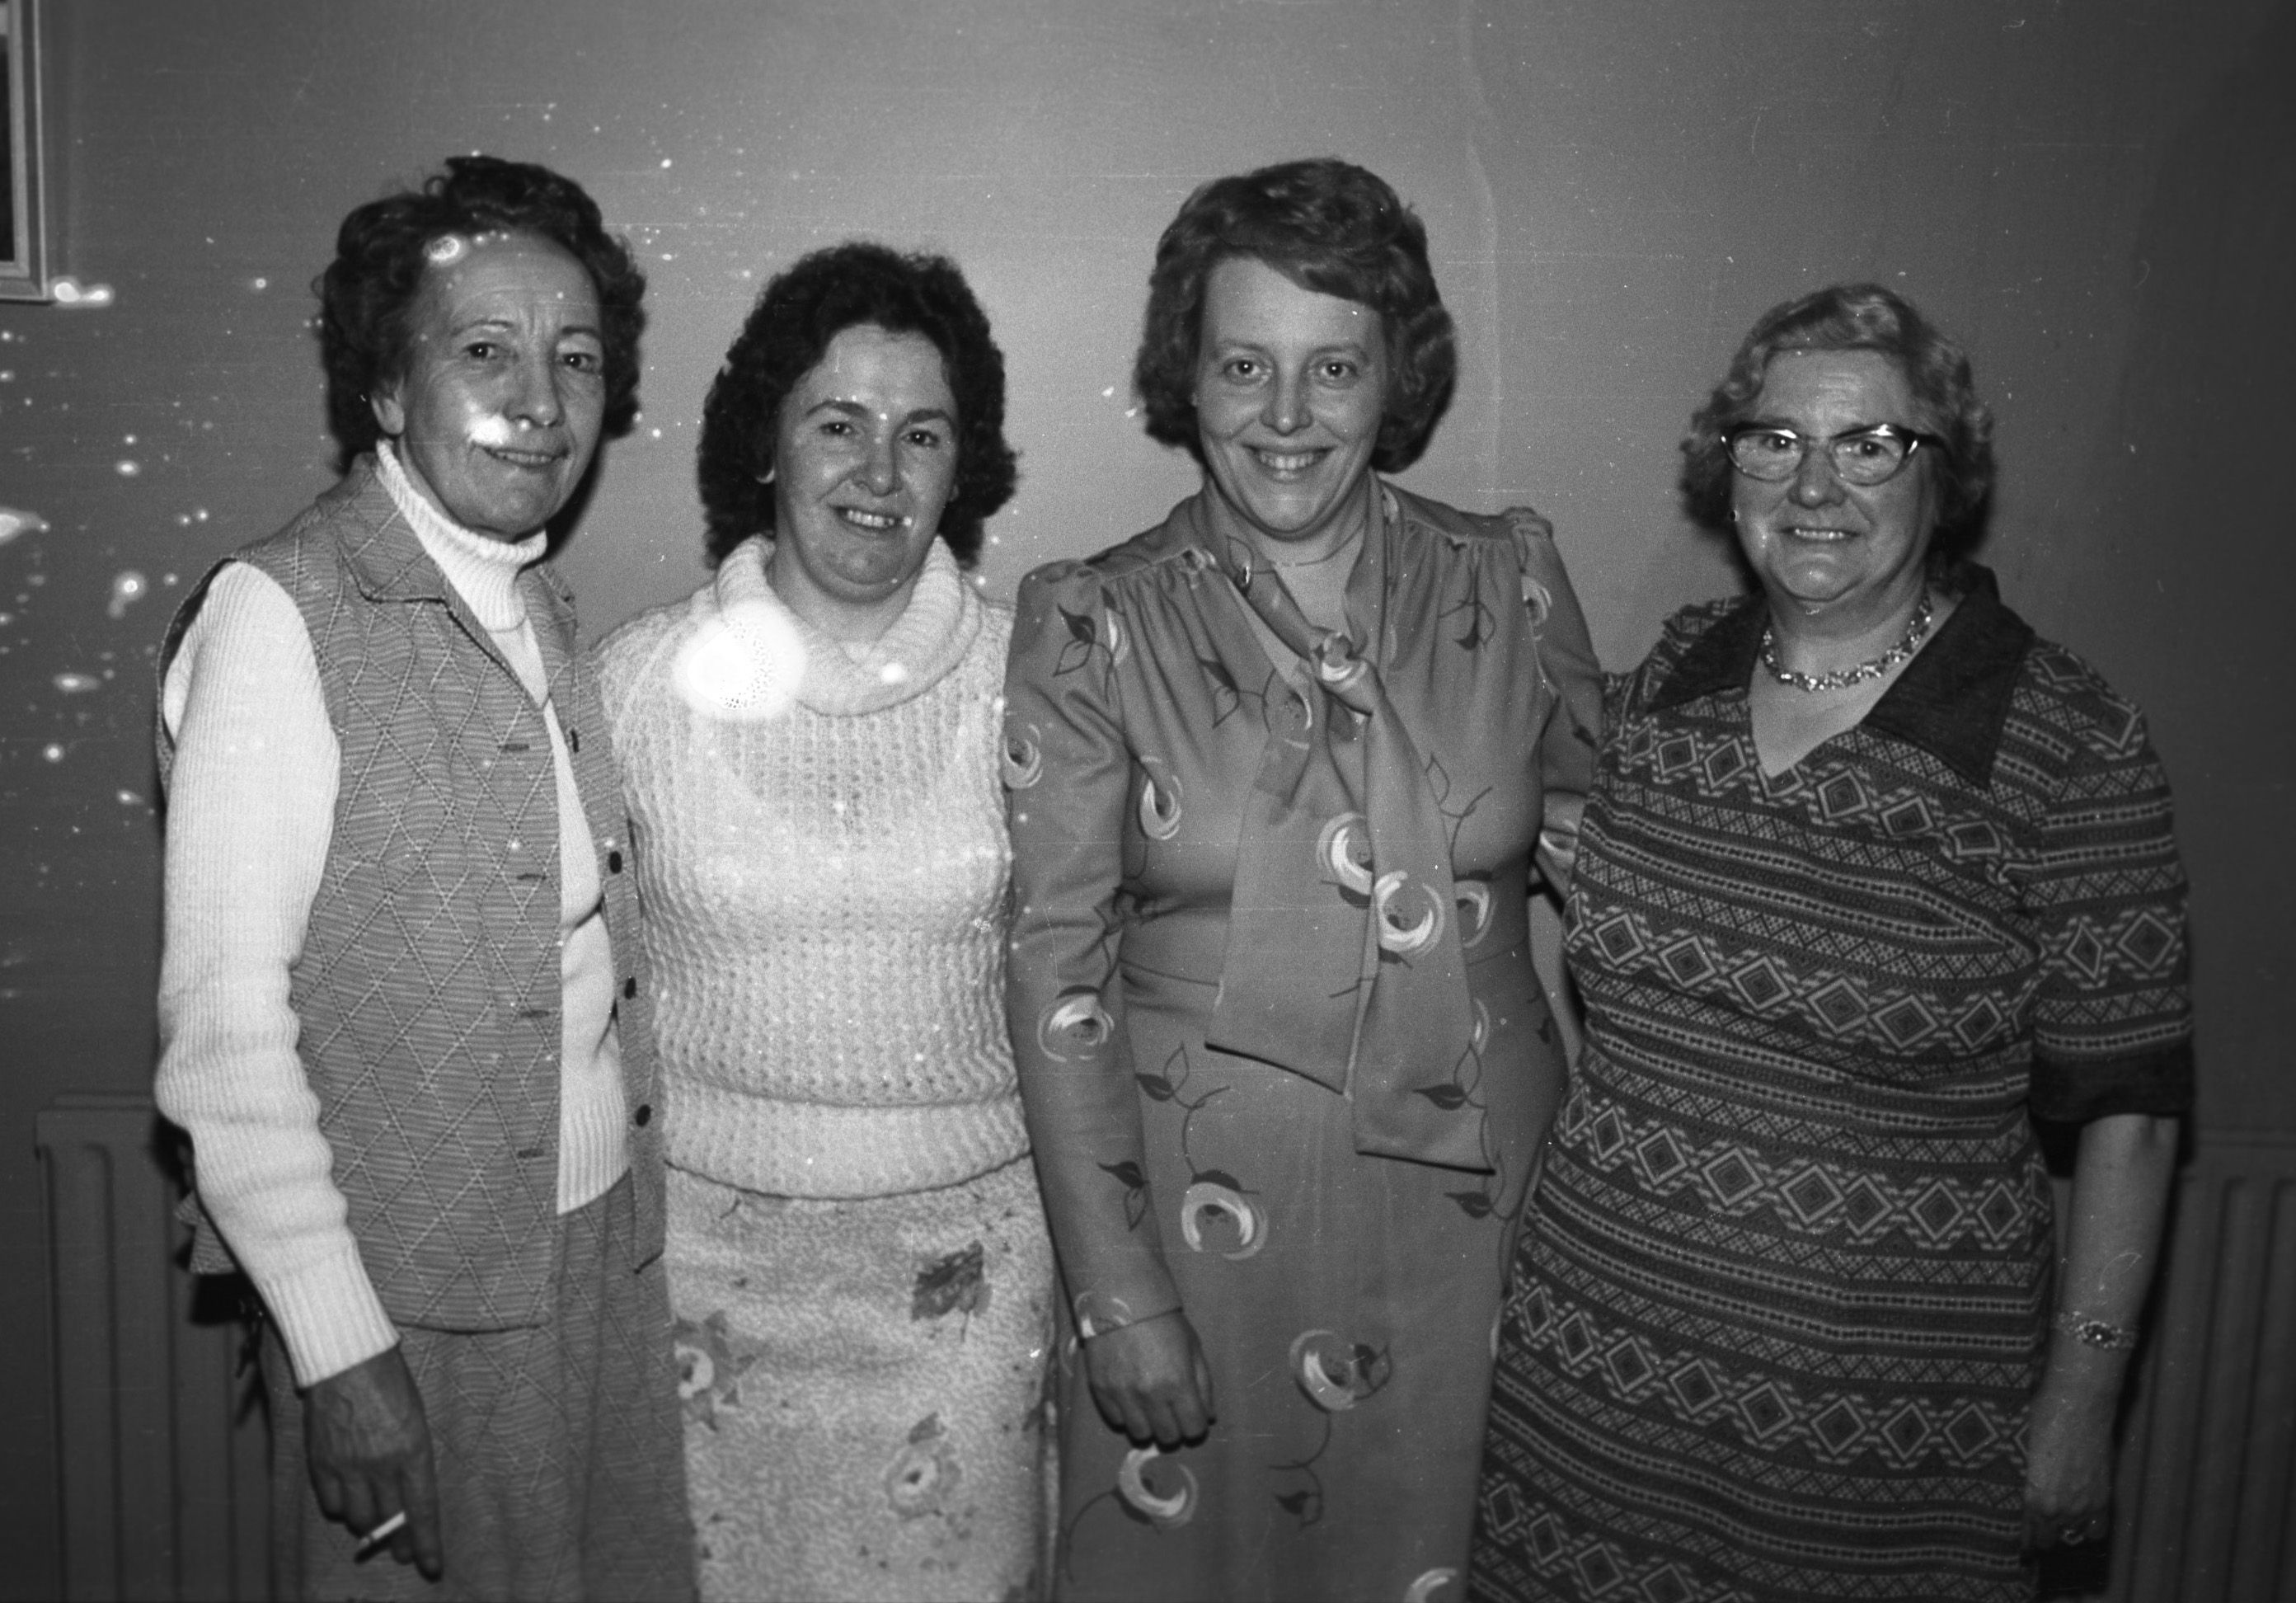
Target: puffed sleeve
[2113,1018]
[1573,735]
[1067,774]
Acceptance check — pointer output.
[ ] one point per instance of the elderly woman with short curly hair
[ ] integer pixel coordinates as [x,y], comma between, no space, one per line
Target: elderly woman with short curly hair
[404,1006]
[1873,879]
[858,1258]
[1279,768]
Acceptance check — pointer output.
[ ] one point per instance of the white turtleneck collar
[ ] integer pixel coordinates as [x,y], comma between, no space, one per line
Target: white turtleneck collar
[484,571]
[929,639]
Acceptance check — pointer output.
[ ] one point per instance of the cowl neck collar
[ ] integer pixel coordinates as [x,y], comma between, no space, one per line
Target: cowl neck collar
[924,642]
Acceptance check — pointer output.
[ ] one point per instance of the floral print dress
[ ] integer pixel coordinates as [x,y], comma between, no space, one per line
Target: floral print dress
[1326,860]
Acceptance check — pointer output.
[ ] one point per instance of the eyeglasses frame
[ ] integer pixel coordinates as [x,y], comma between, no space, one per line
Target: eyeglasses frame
[1915,440]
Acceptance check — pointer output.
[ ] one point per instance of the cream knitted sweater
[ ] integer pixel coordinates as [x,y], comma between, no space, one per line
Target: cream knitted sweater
[821,855]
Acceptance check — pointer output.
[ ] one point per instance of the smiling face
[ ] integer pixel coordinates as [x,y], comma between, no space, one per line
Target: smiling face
[498,410]
[1290,387]
[1821,547]
[864,458]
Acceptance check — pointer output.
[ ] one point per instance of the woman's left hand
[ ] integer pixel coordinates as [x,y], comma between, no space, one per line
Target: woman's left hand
[2069,1466]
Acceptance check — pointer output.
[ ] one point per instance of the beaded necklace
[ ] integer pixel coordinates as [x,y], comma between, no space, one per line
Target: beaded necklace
[1917,628]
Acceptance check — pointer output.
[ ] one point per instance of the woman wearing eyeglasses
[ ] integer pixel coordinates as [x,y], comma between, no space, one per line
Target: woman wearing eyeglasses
[1873,879]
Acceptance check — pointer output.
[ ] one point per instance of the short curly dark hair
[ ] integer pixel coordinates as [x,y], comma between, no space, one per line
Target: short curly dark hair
[805,306]
[1856,316]
[367,295]
[1327,225]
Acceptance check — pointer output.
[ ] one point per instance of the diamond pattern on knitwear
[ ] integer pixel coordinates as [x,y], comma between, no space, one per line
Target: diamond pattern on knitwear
[1843,803]
[1834,1426]
[1706,1341]
[1737,1180]
[1900,1022]
[1583,1564]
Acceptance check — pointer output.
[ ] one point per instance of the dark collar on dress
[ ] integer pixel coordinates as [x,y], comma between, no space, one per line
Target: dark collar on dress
[1951,701]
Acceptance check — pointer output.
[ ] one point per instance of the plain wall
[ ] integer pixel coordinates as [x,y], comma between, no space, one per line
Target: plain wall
[2097,199]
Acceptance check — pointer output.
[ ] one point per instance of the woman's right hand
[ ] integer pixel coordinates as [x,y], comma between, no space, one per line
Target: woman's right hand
[1151,1380]
[368,1443]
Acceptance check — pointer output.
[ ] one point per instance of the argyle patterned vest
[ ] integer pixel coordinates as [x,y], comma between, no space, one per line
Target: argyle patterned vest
[428,990]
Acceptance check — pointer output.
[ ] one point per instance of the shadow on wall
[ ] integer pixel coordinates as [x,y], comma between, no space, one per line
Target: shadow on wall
[2199,513]
[2194,582]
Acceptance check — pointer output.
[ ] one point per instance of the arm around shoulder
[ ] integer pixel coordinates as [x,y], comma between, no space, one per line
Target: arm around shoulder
[1571,740]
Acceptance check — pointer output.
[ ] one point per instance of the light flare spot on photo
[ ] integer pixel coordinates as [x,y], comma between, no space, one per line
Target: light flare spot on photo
[744,667]
[128,587]
[493,429]
[16,523]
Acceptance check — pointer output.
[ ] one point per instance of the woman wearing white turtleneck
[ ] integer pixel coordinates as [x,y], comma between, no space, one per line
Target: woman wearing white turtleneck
[857,1257]
[403,1011]
[245,863]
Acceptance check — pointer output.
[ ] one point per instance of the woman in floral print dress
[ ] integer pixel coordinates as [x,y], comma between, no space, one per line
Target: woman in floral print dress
[1277,771]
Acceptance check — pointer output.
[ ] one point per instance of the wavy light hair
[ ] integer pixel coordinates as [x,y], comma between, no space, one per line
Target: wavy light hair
[1329,226]
[1856,316]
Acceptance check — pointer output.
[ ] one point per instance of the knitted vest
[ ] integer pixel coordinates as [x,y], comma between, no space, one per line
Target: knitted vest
[824,890]
[428,990]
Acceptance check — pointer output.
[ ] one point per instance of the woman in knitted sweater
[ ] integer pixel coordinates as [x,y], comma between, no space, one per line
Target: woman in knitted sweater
[858,1258]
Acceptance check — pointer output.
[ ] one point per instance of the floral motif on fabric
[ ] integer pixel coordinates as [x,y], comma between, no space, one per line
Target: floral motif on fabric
[954,1283]
[710,1365]
[924,1473]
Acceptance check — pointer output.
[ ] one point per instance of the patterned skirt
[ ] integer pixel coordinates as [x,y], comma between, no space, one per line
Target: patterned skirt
[863,1388]
[1734,1370]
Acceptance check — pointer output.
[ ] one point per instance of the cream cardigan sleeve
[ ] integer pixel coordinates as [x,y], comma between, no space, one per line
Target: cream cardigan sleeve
[250,808]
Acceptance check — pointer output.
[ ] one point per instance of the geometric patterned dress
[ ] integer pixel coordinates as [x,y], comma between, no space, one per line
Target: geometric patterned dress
[1784,1291]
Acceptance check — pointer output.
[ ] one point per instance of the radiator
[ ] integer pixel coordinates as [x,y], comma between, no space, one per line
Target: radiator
[161,1451]
[161,1467]
[2208,1473]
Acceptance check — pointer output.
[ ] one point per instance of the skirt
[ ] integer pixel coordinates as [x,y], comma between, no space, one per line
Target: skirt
[864,1387]
[556,1446]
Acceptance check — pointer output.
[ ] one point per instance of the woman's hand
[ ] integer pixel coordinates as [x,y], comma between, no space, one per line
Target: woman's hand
[2069,1465]
[1151,1380]
[369,1444]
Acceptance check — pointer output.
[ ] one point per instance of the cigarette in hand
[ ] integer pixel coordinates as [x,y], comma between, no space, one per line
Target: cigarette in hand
[381,1534]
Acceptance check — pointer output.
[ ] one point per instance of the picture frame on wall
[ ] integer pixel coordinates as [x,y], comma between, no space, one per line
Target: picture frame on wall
[23,173]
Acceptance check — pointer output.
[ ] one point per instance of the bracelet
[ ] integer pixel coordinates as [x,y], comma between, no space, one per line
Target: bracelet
[2093,1332]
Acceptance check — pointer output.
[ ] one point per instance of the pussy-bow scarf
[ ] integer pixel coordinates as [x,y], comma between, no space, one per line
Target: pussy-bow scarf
[1360,816]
